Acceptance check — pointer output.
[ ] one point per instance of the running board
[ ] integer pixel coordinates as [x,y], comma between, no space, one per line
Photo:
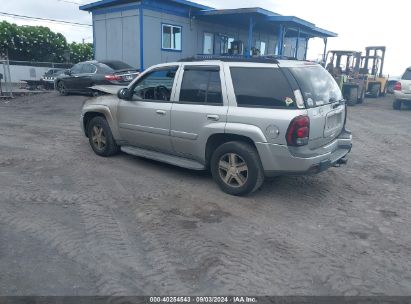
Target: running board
[165,158]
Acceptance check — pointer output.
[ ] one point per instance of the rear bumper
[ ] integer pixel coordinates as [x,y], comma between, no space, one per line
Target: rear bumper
[280,160]
[402,96]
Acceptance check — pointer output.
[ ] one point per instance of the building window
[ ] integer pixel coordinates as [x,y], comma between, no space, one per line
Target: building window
[171,37]
[208,48]
[225,44]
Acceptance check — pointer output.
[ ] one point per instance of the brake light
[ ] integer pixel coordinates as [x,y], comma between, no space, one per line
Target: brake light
[397,86]
[113,78]
[298,132]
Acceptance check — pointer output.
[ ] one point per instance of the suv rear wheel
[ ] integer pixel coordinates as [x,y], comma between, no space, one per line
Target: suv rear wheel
[100,137]
[237,169]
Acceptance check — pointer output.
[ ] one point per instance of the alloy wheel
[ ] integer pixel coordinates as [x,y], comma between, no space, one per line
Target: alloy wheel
[99,138]
[233,170]
[62,88]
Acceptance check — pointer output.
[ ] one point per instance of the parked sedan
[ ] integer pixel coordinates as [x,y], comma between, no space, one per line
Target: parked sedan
[402,90]
[50,76]
[391,84]
[85,75]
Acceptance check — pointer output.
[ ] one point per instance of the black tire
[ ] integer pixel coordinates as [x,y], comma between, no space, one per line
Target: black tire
[245,154]
[397,104]
[375,90]
[384,93]
[353,96]
[61,87]
[104,145]
[362,97]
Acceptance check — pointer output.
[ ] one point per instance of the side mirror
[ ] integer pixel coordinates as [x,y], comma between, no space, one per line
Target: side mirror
[124,94]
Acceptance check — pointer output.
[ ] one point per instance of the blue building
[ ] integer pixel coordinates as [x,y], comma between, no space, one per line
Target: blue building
[147,32]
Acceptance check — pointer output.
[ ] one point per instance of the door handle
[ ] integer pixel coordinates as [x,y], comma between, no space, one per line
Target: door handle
[213,117]
[161,112]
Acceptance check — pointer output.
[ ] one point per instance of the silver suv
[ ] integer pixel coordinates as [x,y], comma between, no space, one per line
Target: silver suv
[244,119]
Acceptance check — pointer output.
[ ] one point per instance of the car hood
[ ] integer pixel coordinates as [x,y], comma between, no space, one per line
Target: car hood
[108,89]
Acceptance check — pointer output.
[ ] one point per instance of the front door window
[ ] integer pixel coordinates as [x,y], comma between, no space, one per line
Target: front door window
[156,85]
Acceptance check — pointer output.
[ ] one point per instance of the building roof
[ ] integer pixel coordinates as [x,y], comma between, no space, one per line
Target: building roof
[106,3]
[261,17]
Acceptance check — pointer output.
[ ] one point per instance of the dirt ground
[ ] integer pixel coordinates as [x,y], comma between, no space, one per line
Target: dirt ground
[72,223]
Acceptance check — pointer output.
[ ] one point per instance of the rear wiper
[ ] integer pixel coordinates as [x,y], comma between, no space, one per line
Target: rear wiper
[340,102]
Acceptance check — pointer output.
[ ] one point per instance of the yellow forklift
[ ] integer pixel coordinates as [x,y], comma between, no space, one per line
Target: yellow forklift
[344,66]
[372,69]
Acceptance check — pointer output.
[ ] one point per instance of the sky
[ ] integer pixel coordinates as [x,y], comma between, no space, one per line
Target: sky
[359,23]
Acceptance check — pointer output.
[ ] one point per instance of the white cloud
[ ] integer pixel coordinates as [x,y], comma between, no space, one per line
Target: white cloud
[359,23]
[52,9]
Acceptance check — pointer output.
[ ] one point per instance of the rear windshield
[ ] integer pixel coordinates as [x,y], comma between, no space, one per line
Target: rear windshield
[317,86]
[407,75]
[117,65]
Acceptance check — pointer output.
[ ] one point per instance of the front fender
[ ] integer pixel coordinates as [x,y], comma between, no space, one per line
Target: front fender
[104,110]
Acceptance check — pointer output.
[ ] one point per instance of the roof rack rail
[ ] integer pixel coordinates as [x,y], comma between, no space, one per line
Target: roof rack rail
[237,58]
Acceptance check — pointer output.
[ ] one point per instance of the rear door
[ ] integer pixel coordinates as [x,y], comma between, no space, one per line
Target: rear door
[323,99]
[200,109]
[406,82]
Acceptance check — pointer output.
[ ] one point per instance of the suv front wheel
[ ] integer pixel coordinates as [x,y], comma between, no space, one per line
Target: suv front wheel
[100,137]
[237,169]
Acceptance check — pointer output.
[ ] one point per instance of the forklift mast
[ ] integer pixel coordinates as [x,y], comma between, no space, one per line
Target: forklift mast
[372,54]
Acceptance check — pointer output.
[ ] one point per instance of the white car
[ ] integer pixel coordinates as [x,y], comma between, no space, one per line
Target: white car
[402,90]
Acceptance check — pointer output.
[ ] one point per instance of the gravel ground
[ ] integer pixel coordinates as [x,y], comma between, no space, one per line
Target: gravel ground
[72,223]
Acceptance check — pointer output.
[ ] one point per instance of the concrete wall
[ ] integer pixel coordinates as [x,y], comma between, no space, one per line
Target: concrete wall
[22,72]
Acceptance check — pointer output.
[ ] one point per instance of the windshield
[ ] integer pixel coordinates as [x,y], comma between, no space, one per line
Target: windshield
[317,86]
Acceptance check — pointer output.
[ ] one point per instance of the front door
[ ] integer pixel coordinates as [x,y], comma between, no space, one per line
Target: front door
[200,111]
[144,120]
[71,82]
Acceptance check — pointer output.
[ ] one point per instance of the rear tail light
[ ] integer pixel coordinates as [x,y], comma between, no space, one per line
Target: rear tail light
[298,132]
[113,78]
[397,86]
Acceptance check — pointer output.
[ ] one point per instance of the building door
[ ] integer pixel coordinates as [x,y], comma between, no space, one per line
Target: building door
[208,48]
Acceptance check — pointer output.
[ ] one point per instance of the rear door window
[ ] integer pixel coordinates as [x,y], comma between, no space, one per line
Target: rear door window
[317,86]
[201,86]
[262,88]
[117,65]
[407,75]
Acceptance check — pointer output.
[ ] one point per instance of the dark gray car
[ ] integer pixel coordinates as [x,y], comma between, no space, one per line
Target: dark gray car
[81,77]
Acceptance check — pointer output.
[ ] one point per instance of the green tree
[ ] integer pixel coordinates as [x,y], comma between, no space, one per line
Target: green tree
[80,52]
[38,43]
